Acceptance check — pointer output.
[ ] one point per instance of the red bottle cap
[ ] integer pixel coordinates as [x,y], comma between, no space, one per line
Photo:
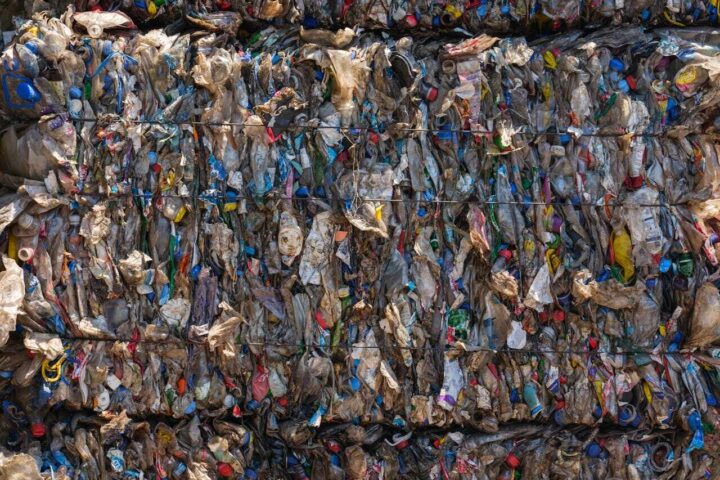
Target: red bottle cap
[432,94]
[224,470]
[333,446]
[632,83]
[506,254]
[512,461]
[38,430]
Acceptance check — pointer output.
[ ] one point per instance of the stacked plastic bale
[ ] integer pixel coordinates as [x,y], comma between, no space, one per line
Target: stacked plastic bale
[315,252]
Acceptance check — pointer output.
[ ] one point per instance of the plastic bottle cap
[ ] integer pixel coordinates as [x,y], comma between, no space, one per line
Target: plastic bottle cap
[224,470]
[354,384]
[432,94]
[506,254]
[95,31]
[27,92]
[410,20]
[593,450]
[38,430]
[512,461]
[665,265]
[632,83]
[617,65]
[333,446]
[75,93]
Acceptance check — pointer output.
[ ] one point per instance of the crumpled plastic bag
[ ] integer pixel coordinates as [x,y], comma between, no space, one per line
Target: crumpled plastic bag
[12,286]
[705,321]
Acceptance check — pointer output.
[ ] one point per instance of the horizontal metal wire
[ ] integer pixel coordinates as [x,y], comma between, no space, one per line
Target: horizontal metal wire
[342,346]
[357,129]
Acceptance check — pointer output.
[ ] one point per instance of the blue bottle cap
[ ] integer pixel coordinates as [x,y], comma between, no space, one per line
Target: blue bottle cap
[628,417]
[354,384]
[302,192]
[623,86]
[665,265]
[617,64]
[180,469]
[195,272]
[75,93]
[694,421]
[603,276]
[593,450]
[26,91]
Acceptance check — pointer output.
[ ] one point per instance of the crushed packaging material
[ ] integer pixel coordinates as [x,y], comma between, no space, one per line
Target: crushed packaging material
[327,254]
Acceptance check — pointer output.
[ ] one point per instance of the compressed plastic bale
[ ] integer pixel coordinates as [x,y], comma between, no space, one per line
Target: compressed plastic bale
[476,200]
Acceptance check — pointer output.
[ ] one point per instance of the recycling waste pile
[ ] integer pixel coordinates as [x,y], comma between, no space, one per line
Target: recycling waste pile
[477,16]
[326,254]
